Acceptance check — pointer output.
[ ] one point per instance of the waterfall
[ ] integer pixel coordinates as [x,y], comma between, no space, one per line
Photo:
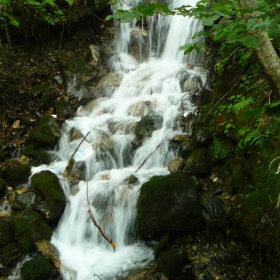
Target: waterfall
[150,87]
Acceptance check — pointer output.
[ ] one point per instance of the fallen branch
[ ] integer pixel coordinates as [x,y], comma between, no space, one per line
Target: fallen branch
[105,236]
[71,161]
[148,157]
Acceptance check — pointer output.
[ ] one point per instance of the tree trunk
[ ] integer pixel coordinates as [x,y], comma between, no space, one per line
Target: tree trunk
[265,51]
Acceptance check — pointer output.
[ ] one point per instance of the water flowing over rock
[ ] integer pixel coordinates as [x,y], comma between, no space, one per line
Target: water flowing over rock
[121,136]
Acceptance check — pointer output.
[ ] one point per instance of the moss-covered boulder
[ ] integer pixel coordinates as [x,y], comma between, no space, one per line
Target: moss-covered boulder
[40,155]
[36,269]
[169,204]
[46,135]
[3,187]
[17,175]
[29,227]
[46,185]
[10,254]
[171,262]
[63,108]
[146,126]
[6,231]
[198,163]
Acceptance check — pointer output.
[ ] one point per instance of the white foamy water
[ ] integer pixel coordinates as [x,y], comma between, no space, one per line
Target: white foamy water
[151,88]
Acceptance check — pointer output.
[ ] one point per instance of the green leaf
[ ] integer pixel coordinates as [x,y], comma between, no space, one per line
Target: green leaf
[250,41]
[5,2]
[252,113]
[207,21]
[70,2]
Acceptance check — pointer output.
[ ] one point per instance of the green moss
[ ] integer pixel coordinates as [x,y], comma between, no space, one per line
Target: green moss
[46,135]
[6,232]
[36,269]
[17,175]
[220,149]
[47,185]
[40,155]
[10,254]
[28,227]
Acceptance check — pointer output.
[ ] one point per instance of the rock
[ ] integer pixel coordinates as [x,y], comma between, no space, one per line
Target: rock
[3,187]
[140,109]
[162,245]
[10,254]
[25,201]
[36,269]
[17,175]
[168,204]
[131,180]
[138,45]
[75,134]
[200,137]
[28,227]
[198,163]
[63,109]
[146,126]
[78,76]
[95,54]
[172,261]
[40,155]
[46,185]
[176,165]
[215,212]
[6,231]
[49,251]
[46,135]
[38,90]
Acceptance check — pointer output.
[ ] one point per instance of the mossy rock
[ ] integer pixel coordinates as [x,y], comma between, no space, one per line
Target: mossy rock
[47,186]
[3,187]
[38,90]
[36,269]
[172,261]
[169,204]
[146,126]
[46,135]
[17,175]
[6,231]
[29,227]
[198,163]
[10,254]
[63,109]
[40,155]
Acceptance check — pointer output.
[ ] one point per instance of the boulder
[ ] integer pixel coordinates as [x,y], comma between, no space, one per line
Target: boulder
[200,137]
[176,165]
[17,175]
[198,163]
[3,187]
[169,204]
[36,269]
[146,126]
[10,254]
[63,109]
[172,261]
[25,201]
[41,156]
[28,227]
[46,185]
[46,135]
[6,231]
[215,212]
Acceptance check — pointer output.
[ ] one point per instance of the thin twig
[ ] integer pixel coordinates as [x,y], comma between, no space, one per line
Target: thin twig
[105,236]
[148,157]
[80,145]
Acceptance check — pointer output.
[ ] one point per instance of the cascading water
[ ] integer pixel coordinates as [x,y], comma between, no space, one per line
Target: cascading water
[152,88]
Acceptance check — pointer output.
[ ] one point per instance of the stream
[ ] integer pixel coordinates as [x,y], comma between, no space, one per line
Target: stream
[155,85]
